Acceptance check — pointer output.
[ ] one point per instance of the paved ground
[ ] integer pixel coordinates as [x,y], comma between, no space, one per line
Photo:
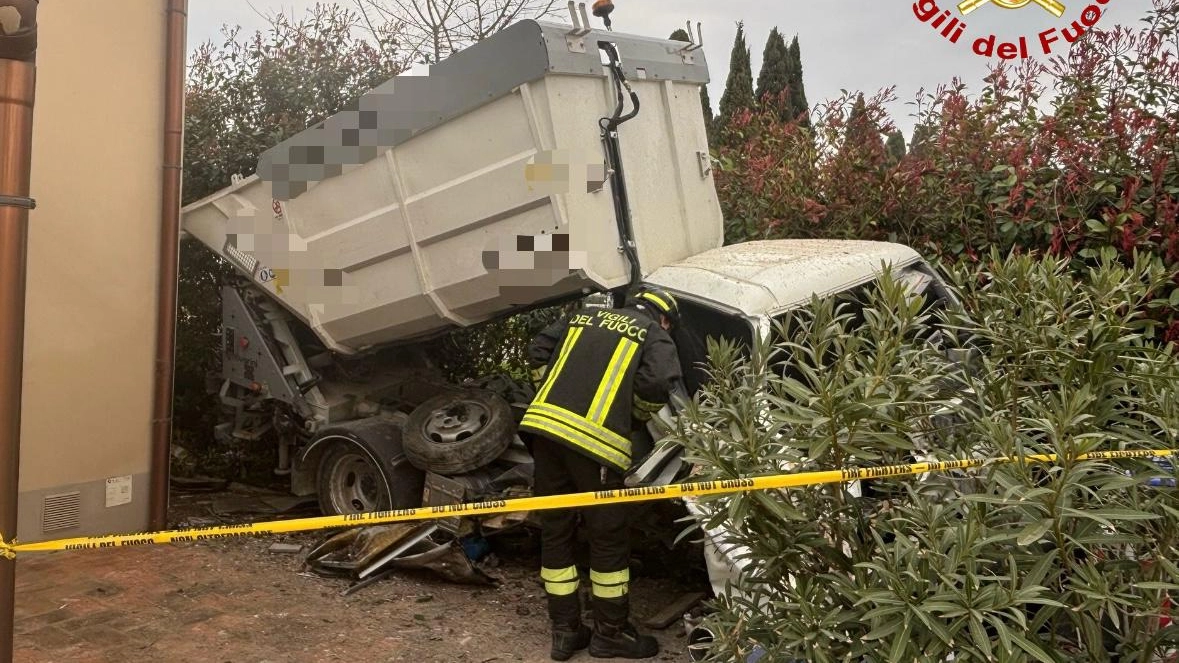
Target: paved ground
[234,601]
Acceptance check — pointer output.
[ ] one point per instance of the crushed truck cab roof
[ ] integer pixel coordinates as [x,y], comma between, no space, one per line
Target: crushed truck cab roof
[763,277]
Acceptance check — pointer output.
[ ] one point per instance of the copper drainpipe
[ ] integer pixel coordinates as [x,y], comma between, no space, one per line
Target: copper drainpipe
[165,366]
[18,52]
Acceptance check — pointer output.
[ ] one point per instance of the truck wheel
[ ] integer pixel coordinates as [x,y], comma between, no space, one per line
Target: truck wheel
[457,433]
[360,466]
[349,482]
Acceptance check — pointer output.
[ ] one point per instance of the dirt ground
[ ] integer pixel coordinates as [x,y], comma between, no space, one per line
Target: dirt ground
[236,601]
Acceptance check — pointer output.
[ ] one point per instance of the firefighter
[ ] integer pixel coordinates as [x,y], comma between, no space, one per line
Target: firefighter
[600,374]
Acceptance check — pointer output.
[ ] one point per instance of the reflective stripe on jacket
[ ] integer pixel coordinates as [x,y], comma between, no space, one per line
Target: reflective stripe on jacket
[600,366]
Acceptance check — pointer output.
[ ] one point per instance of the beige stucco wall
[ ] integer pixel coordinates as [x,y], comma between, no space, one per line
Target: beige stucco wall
[93,245]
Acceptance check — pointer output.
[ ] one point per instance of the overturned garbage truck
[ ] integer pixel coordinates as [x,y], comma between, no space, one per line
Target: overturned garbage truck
[544,165]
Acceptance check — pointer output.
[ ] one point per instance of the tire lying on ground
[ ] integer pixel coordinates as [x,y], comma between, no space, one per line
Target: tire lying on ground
[457,433]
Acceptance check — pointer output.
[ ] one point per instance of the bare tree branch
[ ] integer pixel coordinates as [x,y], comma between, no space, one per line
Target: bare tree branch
[441,27]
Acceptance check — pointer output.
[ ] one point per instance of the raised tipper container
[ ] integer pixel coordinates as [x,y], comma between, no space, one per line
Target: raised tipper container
[476,191]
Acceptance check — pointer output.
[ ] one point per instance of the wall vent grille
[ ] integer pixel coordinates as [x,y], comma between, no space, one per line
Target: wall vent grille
[61,511]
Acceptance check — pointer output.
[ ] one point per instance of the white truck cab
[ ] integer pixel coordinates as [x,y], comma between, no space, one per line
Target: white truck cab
[737,291]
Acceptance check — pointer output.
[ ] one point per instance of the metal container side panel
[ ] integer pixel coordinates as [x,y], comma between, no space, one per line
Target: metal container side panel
[330,207]
[511,275]
[424,210]
[576,105]
[480,297]
[208,219]
[483,223]
[484,212]
[465,221]
[674,207]
[447,228]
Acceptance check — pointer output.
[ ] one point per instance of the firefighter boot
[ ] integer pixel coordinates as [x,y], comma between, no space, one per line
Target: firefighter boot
[614,636]
[621,641]
[568,639]
[569,634]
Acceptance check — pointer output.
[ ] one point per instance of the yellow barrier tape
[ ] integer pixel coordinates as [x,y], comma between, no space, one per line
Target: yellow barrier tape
[693,489]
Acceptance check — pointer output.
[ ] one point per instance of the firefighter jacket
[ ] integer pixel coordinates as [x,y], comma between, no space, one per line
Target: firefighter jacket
[600,369]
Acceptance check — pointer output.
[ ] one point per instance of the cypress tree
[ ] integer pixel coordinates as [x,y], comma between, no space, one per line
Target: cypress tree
[800,109]
[922,134]
[775,72]
[895,147]
[739,85]
[705,102]
[860,128]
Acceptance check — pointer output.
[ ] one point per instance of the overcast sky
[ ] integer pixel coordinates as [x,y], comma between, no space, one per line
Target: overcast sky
[856,45]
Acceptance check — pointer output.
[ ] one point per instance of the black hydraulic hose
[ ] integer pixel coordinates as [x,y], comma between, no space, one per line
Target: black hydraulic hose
[621,213]
[609,128]
[609,123]
[619,81]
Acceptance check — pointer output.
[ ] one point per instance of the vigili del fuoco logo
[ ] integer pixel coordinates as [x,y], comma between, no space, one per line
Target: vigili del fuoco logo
[954,28]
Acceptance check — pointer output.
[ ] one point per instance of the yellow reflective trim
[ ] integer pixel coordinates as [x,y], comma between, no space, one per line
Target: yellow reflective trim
[648,406]
[657,300]
[607,378]
[566,348]
[631,350]
[612,585]
[574,436]
[610,592]
[601,433]
[571,434]
[560,582]
[561,588]
[610,578]
[608,388]
[559,575]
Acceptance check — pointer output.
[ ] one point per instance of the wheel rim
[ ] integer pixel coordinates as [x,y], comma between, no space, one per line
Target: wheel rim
[356,486]
[456,421]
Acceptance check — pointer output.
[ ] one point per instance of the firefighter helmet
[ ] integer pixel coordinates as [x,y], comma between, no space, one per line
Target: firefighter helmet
[659,300]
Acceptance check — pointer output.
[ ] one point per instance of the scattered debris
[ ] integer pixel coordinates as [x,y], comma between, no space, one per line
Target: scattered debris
[505,521]
[255,501]
[228,505]
[247,489]
[285,548]
[674,610]
[289,503]
[357,586]
[363,552]
[198,521]
[199,484]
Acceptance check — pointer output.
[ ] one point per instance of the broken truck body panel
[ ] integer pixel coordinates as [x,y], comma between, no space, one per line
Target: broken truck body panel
[474,192]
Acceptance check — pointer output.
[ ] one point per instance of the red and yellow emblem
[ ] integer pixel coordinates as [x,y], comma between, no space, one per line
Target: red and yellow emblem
[1055,7]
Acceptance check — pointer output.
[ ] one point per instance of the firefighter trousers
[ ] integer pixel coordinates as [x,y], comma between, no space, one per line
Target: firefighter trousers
[560,470]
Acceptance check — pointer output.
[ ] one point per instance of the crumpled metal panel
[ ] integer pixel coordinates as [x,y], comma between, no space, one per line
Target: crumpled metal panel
[359,552]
